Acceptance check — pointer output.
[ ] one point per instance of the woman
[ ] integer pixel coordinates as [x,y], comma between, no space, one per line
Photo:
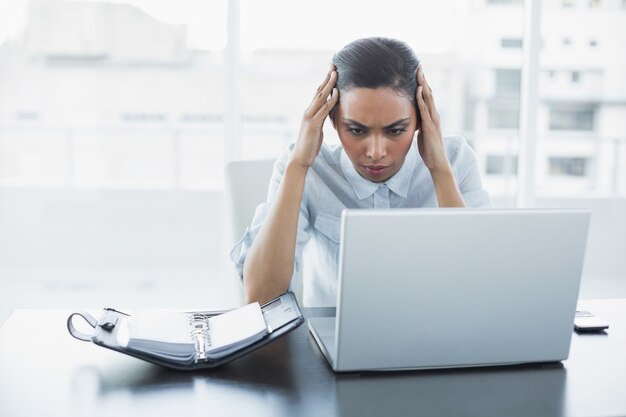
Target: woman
[377,98]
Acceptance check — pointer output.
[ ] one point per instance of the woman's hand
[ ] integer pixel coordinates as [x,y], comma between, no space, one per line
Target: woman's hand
[429,138]
[430,144]
[311,134]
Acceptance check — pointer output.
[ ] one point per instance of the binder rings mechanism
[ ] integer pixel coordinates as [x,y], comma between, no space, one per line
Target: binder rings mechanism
[281,315]
[200,334]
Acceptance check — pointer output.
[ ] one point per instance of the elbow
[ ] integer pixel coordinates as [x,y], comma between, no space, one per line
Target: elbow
[261,295]
[262,284]
[256,290]
[250,294]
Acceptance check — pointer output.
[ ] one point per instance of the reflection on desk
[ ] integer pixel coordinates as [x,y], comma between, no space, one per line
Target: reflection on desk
[515,391]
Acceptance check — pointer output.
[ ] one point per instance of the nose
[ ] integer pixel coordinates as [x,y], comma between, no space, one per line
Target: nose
[376,149]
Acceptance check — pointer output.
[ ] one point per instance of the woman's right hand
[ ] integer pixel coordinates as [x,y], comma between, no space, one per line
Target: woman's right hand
[311,128]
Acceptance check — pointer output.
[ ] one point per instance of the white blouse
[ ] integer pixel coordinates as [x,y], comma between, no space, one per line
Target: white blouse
[333,184]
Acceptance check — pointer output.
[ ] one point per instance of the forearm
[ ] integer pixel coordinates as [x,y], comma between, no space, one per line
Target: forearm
[268,267]
[446,188]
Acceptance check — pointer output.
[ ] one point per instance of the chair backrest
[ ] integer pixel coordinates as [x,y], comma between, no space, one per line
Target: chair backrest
[246,188]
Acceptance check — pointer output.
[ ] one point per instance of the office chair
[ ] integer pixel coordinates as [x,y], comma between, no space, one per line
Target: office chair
[246,188]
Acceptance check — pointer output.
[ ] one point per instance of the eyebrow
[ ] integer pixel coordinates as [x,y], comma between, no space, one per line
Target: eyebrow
[354,122]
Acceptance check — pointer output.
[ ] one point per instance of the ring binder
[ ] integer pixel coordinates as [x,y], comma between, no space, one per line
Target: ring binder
[111,331]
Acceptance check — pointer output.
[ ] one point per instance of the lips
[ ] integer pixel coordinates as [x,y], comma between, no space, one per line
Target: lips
[376,170]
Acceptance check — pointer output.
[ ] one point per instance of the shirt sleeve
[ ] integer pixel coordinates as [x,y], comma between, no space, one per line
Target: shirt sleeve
[239,252]
[465,165]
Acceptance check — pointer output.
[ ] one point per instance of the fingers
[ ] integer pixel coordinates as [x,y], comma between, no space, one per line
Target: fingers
[327,106]
[425,94]
[321,98]
[421,78]
[421,105]
[323,84]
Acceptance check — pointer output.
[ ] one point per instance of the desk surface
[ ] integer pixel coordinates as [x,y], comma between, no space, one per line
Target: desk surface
[44,371]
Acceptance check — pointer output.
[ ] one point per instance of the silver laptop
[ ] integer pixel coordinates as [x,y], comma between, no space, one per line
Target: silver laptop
[421,289]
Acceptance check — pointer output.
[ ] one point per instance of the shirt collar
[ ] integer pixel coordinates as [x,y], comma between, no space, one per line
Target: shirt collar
[399,183]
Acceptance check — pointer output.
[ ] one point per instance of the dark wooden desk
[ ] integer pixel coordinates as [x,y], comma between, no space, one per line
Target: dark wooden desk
[45,372]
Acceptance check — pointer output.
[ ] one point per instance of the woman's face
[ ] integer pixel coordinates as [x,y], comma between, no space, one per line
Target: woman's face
[376,128]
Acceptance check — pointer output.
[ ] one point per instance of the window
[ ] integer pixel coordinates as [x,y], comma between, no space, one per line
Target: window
[27,116]
[568,166]
[504,2]
[138,90]
[501,165]
[143,117]
[583,123]
[201,118]
[571,117]
[133,88]
[508,82]
[263,119]
[511,43]
[139,67]
[595,4]
[503,114]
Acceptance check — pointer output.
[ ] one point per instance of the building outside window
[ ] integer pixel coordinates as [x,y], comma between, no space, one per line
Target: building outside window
[595,4]
[569,166]
[565,116]
[508,82]
[501,165]
[511,43]
[503,114]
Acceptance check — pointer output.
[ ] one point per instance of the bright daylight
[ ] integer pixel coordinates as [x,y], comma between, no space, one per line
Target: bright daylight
[285,196]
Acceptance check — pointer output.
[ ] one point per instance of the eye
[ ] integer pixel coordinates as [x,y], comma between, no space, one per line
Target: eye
[355,131]
[397,131]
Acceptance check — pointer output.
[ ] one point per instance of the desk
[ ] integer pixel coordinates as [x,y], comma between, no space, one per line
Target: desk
[44,371]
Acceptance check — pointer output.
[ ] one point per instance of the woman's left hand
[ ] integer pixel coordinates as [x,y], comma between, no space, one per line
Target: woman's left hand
[430,144]
[429,138]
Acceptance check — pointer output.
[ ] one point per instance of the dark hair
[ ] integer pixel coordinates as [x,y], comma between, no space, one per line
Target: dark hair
[377,62]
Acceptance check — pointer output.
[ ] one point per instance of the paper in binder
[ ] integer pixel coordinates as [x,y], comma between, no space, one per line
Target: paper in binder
[192,337]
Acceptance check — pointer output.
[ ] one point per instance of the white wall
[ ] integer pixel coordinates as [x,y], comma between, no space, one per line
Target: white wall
[161,244]
[606,243]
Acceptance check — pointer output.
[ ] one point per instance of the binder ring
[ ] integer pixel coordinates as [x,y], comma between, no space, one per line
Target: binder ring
[75,332]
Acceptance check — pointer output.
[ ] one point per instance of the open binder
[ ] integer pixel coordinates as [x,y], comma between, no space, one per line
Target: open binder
[281,315]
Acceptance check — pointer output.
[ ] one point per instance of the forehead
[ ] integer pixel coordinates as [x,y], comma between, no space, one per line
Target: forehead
[374,106]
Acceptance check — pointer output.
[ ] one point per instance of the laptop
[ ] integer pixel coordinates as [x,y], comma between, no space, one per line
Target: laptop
[446,288]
